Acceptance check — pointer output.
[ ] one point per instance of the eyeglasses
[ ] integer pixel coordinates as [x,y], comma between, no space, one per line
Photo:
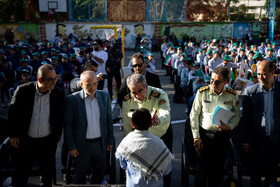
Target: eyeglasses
[50,79]
[216,82]
[137,65]
[92,85]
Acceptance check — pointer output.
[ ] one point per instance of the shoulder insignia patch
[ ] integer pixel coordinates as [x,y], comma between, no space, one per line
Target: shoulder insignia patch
[204,88]
[155,94]
[231,91]
[161,102]
[127,97]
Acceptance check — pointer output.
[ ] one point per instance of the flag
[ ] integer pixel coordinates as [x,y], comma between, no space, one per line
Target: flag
[167,61]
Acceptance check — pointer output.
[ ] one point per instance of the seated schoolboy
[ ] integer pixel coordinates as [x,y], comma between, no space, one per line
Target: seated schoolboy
[144,156]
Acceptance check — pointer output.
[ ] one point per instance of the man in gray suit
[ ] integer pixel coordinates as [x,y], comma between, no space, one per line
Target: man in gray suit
[88,128]
[261,125]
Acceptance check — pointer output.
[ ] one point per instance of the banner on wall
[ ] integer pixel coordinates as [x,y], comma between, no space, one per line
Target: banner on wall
[240,30]
[21,32]
[210,30]
[199,30]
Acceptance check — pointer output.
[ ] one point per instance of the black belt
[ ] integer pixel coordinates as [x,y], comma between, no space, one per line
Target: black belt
[94,140]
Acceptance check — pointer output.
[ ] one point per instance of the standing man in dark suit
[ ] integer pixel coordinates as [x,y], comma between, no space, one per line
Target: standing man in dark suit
[139,67]
[261,125]
[35,125]
[88,128]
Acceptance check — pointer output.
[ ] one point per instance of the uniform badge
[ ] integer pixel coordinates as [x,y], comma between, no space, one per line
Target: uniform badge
[127,97]
[155,94]
[228,102]
[161,102]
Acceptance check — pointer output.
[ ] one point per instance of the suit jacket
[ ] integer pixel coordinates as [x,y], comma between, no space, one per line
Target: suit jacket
[21,110]
[151,78]
[253,108]
[75,121]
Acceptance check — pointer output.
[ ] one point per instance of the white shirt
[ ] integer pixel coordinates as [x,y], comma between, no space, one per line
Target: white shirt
[101,66]
[93,117]
[40,120]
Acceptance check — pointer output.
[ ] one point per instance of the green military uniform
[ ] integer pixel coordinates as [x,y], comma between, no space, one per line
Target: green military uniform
[204,105]
[156,99]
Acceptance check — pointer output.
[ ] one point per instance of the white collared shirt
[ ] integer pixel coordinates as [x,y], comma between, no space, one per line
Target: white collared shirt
[40,120]
[93,117]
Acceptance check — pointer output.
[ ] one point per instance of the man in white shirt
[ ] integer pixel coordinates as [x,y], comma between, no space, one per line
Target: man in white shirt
[100,57]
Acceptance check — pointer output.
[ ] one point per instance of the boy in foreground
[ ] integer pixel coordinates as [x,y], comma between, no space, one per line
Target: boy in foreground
[144,156]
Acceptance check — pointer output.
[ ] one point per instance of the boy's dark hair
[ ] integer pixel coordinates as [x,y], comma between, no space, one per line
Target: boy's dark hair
[89,63]
[141,119]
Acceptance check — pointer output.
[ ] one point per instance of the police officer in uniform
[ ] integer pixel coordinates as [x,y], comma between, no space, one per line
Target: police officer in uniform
[156,101]
[210,140]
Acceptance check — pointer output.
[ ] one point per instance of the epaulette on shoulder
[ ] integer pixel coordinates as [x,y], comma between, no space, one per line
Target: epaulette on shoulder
[204,88]
[231,91]
[127,97]
[155,93]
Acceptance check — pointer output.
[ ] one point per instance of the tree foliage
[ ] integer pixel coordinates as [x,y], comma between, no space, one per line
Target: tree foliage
[240,13]
[12,10]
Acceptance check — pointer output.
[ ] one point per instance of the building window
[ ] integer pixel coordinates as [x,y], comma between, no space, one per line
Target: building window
[166,10]
[88,10]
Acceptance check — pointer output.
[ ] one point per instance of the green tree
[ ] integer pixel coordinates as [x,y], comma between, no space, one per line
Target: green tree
[12,10]
[240,12]
[277,12]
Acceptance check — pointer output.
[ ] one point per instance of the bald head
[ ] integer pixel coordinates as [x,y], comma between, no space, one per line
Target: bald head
[88,74]
[266,64]
[265,73]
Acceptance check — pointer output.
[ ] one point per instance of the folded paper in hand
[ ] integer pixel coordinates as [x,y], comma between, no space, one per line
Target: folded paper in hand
[222,114]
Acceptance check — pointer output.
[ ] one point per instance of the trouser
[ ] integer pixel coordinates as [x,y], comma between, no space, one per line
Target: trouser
[211,158]
[116,73]
[92,157]
[100,85]
[167,138]
[264,164]
[41,149]
[5,92]
[179,94]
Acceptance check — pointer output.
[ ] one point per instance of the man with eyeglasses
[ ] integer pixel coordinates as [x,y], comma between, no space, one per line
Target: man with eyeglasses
[210,140]
[88,128]
[139,67]
[35,125]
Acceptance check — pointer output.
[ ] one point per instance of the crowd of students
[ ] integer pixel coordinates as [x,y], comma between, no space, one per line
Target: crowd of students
[190,65]
[19,62]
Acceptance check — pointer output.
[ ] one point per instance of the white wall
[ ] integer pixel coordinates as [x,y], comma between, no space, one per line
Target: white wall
[81,29]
